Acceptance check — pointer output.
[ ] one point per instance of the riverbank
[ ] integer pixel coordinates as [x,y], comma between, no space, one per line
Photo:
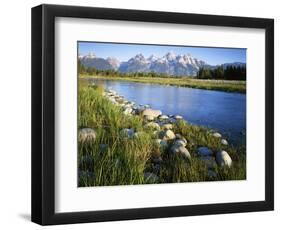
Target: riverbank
[220,85]
[121,143]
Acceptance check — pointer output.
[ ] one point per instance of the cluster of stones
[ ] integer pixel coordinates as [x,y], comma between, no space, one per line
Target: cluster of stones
[166,139]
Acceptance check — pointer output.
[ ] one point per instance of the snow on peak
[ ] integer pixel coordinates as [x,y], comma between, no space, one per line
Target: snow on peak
[170,56]
[152,58]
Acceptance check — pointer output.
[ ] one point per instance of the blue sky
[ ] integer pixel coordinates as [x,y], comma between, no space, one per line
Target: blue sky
[123,52]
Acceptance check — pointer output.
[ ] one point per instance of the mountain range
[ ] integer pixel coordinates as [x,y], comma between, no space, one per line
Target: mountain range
[170,63]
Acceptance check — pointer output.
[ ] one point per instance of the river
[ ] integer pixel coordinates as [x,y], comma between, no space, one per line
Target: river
[222,111]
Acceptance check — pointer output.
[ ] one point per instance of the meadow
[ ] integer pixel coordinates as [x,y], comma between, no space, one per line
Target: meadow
[112,158]
[209,84]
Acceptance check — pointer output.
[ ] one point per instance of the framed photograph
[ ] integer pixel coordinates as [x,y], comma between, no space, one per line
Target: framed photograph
[142,114]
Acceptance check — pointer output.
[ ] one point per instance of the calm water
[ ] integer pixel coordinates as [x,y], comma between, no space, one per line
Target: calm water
[221,111]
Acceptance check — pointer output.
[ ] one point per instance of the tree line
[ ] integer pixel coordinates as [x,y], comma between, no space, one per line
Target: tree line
[227,73]
[110,72]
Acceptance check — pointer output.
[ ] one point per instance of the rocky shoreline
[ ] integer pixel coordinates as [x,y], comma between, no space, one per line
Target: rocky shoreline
[165,138]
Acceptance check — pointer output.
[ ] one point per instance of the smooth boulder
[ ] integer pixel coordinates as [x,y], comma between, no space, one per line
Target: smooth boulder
[167,135]
[167,126]
[217,135]
[178,117]
[223,159]
[149,117]
[180,142]
[224,142]
[87,135]
[180,150]
[151,112]
[128,111]
[161,143]
[163,117]
[204,151]
[152,125]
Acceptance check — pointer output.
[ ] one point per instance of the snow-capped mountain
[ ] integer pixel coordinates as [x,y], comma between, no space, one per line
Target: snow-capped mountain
[113,62]
[90,60]
[135,64]
[170,63]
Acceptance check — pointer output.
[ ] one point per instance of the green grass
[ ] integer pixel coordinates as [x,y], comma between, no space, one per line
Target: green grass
[125,160]
[220,85]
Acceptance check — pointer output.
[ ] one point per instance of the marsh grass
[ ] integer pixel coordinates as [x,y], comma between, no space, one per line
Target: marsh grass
[113,159]
[220,85]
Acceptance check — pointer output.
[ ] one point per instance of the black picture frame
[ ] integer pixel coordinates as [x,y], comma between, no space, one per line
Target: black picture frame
[43,114]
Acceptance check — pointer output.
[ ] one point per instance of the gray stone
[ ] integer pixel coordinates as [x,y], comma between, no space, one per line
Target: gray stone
[127,133]
[167,135]
[204,151]
[163,117]
[149,117]
[180,142]
[152,125]
[87,135]
[224,142]
[223,159]
[151,112]
[180,150]
[161,143]
[128,111]
[178,136]
[178,117]
[167,126]
[217,135]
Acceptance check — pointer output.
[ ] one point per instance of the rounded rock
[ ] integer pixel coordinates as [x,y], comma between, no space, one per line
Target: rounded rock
[161,143]
[163,117]
[128,111]
[204,151]
[152,125]
[217,135]
[149,117]
[151,112]
[178,117]
[224,142]
[223,159]
[181,150]
[180,142]
[167,135]
[167,126]
[87,135]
